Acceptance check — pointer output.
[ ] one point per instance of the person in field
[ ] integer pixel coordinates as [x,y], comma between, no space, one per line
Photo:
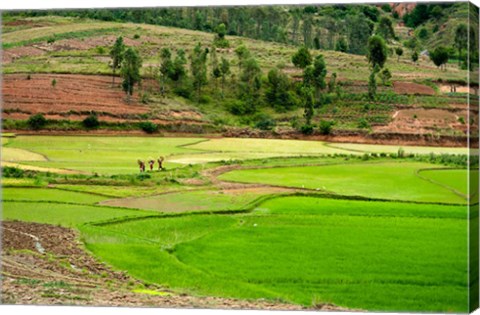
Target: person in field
[151,162]
[160,162]
[141,165]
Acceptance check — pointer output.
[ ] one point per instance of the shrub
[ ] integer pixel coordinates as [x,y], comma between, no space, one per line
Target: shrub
[237,107]
[183,91]
[363,123]
[136,36]
[36,121]
[54,82]
[306,129]
[149,127]
[461,120]
[326,127]
[145,98]
[205,99]
[264,122]
[91,121]
[12,172]
[100,50]
[51,40]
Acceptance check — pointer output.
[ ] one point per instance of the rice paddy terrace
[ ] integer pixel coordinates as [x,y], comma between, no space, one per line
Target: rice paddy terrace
[303,223]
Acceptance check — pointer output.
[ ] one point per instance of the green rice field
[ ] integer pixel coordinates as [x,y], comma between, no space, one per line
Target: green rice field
[300,222]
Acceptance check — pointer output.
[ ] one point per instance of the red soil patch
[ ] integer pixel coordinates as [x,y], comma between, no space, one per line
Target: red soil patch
[412,88]
[9,55]
[80,93]
[421,121]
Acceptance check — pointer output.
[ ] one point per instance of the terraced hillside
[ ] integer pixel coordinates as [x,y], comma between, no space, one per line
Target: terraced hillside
[74,53]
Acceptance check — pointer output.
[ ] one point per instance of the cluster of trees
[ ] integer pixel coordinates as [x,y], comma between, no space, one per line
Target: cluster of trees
[129,62]
[342,27]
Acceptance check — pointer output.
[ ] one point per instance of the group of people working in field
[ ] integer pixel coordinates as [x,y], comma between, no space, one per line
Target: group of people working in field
[151,162]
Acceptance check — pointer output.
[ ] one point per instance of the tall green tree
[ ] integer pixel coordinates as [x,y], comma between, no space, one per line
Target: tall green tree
[358,33]
[302,58]
[415,56]
[308,104]
[319,72]
[250,85]
[179,72]
[166,68]
[220,40]
[341,45]
[216,72]
[461,40]
[399,53]
[439,56]
[198,68]
[307,30]
[385,28]
[377,56]
[225,70]
[277,92]
[243,54]
[377,51]
[116,53]
[130,71]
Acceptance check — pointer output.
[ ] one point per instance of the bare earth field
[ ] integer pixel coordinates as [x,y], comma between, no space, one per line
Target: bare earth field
[71,93]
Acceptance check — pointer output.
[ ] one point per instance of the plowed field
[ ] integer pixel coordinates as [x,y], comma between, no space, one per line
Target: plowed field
[80,93]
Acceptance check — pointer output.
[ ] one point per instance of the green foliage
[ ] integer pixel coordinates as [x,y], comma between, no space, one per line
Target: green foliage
[386,8]
[385,76]
[264,122]
[149,127]
[100,50]
[372,86]
[423,33]
[198,68]
[136,36]
[399,52]
[302,58]
[411,43]
[130,70]
[439,56]
[377,51]
[91,121]
[341,45]
[250,85]
[325,127]
[54,82]
[423,12]
[36,122]
[359,31]
[12,172]
[363,123]
[385,28]
[461,39]
[116,53]
[332,82]
[415,56]
[277,92]
[308,104]
[220,40]
[306,129]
